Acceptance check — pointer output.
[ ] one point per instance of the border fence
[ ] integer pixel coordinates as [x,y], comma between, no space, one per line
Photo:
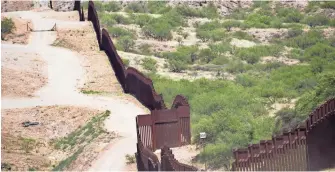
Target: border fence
[310,146]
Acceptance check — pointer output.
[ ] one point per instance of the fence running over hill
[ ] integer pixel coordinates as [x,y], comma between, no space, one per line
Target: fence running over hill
[309,147]
[163,127]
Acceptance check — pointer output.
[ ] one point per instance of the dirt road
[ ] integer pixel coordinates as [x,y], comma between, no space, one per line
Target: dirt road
[65,75]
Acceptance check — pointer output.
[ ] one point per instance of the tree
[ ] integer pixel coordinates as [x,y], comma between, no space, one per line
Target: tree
[126,43]
[206,55]
[230,24]
[180,40]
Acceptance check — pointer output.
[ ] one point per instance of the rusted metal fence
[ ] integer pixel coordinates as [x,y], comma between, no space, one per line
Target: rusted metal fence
[309,147]
[94,18]
[167,127]
[169,163]
[163,127]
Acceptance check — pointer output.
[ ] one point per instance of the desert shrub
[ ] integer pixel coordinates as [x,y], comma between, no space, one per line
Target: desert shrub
[268,67]
[293,25]
[160,28]
[245,80]
[258,4]
[142,19]
[312,6]
[258,21]
[239,14]
[7,26]
[294,32]
[328,4]
[126,43]
[276,23]
[237,66]
[290,15]
[130,159]
[320,50]
[136,7]
[120,19]
[158,7]
[231,23]
[112,6]
[296,53]
[160,31]
[107,21]
[206,55]
[220,48]
[149,64]
[126,62]
[305,40]
[117,32]
[176,66]
[243,35]
[253,54]
[220,60]
[186,54]
[210,31]
[316,20]
[145,49]
[209,11]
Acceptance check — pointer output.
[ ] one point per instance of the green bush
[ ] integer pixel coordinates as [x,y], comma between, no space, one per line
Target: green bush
[126,62]
[237,66]
[239,14]
[120,19]
[328,4]
[158,7]
[209,11]
[305,40]
[160,28]
[206,55]
[136,7]
[160,31]
[106,20]
[220,48]
[176,66]
[320,50]
[112,6]
[149,64]
[294,32]
[7,26]
[243,35]
[220,60]
[145,49]
[210,31]
[258,21]
[316,20]
[230,24]
[126,43]
[253,54]
[186,54]
[117,32]
[142,19]
[290,15]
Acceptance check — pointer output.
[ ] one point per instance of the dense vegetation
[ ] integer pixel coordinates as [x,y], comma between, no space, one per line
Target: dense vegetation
[235,112]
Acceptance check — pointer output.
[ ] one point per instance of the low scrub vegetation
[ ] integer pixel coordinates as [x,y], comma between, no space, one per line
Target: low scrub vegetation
[7,27]
[149,64]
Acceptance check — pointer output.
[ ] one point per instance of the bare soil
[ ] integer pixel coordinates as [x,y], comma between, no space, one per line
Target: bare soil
[99,75]
[31,147]
[8,6]
[20,34]
[22,74]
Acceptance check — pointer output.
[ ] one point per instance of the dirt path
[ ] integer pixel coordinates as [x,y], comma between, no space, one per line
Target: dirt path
[65,75]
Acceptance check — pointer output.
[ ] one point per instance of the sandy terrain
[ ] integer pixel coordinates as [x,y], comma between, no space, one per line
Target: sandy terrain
[22,73]
[7,6]
[25,147]
[99,75]
[65,76]
[20,34]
